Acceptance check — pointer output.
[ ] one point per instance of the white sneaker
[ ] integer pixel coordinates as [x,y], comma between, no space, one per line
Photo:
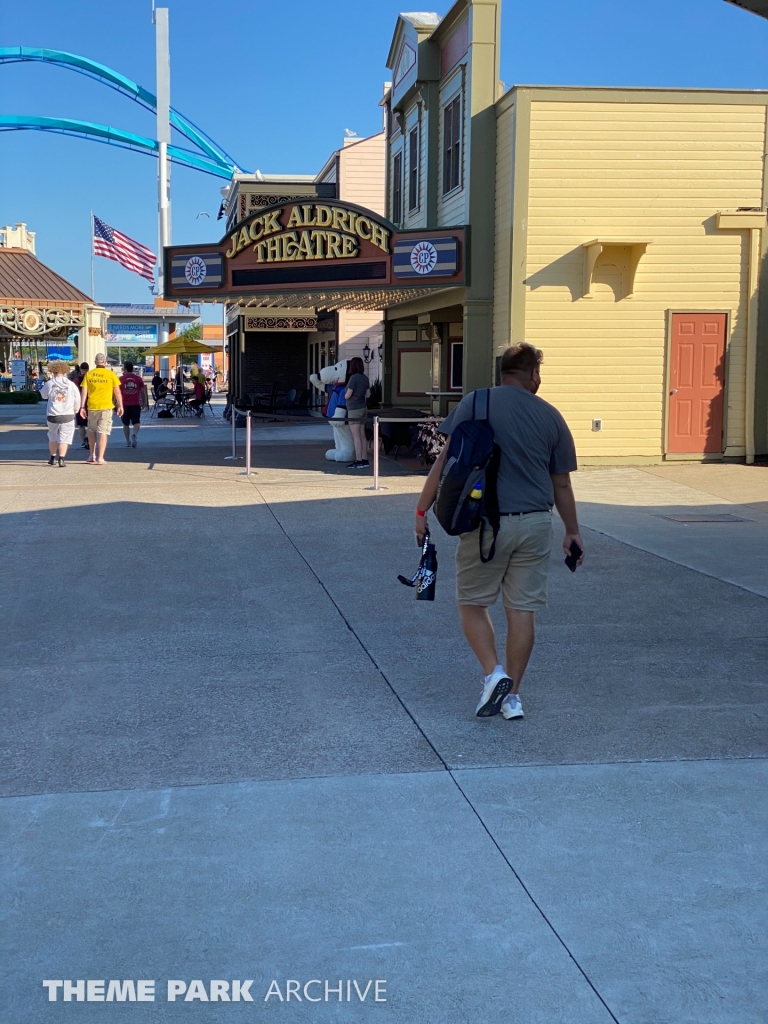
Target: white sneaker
[493,693]
[511,706]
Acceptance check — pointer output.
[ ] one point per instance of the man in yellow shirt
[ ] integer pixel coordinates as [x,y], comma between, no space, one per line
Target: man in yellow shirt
[100,389]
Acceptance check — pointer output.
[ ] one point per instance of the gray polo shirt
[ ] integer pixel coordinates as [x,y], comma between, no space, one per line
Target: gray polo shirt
[535,442]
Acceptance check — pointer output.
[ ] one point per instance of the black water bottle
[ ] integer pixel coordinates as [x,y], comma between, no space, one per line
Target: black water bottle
[425,589]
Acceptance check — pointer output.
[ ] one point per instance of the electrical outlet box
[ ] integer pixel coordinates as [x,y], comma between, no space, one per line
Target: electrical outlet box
[597,425]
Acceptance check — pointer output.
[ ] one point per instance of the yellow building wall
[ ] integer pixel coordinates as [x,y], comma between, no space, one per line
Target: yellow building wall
[635,171]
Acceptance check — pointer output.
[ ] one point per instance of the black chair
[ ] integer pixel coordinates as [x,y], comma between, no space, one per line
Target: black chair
[303,402]
[264,399]
[288,402]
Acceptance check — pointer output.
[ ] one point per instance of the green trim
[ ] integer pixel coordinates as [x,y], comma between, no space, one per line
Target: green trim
[520,186]
[426,304]
[431,95]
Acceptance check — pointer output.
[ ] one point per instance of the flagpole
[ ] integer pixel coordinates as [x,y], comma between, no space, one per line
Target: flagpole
[93,290]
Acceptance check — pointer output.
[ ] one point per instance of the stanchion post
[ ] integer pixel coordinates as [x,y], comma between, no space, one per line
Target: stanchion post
[376,421]
[234,427]
[375,453]
[248,443]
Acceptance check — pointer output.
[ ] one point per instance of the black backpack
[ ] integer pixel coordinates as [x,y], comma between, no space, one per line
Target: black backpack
[466,494]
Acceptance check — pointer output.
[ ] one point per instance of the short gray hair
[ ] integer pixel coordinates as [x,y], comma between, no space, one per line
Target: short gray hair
[100,359]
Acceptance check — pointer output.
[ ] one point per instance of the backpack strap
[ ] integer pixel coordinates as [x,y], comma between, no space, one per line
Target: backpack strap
[491,514]
[485,403]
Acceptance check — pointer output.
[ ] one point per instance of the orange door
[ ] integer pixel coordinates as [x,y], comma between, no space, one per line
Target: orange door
[697,383]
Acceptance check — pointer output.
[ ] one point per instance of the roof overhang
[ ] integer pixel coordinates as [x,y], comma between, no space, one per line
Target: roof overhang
[759,7]
[342,298]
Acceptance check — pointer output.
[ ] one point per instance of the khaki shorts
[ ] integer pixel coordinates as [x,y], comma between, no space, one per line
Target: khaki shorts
[518,569]
[100,421]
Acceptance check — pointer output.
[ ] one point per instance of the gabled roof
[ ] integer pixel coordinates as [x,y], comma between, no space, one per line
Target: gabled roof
[23,278]
[423,22]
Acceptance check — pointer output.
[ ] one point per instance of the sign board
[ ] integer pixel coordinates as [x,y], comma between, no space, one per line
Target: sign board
[19,374]
[314,245]
[65,352]
[132,334]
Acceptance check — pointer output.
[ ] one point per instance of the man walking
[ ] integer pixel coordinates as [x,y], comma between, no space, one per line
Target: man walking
[100,389]
[537,457]
[134,395]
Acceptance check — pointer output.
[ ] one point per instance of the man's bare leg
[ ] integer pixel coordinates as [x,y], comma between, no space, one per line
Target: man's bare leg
[127,432]
[521,634]
[478,629]
[101,446]
[92,444]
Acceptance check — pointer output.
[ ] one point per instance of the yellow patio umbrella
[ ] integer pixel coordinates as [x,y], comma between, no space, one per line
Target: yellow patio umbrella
[180,347]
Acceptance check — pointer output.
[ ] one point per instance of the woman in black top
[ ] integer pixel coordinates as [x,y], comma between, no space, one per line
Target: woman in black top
[358,390]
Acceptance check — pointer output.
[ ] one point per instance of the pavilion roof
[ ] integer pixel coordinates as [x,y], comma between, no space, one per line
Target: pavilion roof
[25,280]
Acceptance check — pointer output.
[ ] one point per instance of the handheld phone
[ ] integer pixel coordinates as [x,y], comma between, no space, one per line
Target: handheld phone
[574,556]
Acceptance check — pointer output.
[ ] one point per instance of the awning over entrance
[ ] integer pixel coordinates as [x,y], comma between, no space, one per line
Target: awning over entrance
[347,298]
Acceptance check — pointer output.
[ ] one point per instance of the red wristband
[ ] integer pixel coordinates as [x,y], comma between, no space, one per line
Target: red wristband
[420,513]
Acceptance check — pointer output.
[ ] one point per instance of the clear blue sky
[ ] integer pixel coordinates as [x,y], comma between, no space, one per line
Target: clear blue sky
[276,82]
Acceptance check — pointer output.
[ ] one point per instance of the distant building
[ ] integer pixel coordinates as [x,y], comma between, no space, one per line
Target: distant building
[41,309]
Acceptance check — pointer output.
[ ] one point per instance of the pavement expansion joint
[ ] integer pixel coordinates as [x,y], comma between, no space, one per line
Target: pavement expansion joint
[538,907]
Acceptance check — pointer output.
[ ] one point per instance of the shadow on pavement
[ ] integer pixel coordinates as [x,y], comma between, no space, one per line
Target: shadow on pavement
[151,645]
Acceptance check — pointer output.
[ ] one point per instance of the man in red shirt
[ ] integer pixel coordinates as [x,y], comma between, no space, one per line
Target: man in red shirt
[134,400]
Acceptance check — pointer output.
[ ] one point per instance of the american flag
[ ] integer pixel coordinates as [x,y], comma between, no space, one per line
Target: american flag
[116,246]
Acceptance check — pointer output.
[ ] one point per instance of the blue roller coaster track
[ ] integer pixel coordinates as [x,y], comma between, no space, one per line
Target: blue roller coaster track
[214,160]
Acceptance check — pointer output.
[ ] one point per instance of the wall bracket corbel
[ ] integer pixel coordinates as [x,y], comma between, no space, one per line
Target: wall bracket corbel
[593,249]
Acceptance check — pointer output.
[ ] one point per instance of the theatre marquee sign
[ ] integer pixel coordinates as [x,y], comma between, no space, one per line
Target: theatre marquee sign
[316,245]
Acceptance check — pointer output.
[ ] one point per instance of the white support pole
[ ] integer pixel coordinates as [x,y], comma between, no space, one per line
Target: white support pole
[163,87]
[248,443]
[93,287]
[376,457]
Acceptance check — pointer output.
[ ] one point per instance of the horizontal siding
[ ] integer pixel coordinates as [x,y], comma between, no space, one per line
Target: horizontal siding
[635,172]
[362,173]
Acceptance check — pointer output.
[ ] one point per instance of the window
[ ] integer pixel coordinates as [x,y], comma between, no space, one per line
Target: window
[397,188]
[413,170]
[414,371]
[457,366]
[452,145]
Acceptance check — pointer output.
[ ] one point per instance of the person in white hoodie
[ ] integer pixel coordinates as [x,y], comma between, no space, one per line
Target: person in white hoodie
[63,397]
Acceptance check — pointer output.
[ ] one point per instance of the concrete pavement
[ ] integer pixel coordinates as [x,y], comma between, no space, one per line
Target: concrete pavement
[237,748]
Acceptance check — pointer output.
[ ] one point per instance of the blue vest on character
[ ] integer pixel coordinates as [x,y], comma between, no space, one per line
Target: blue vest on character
[336,400]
